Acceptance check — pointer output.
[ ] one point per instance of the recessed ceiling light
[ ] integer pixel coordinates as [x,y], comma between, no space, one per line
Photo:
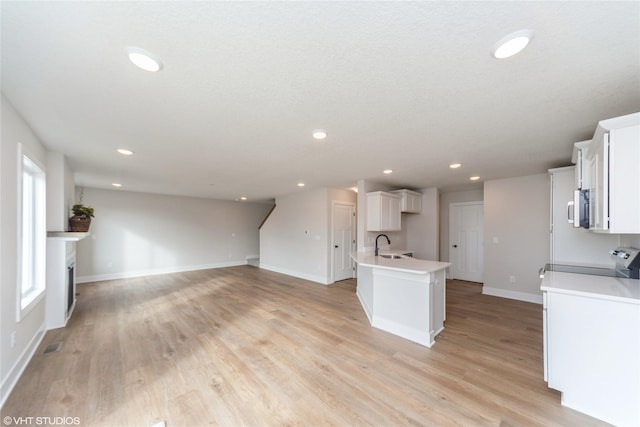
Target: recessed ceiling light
[319,134]
[125,152]
[455,165]
[512,44]
[143,59]
[243,198]
[387,171]
[474,178]
[116,184]
[301,184]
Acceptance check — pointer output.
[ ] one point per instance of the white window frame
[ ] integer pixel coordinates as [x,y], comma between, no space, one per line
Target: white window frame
[32,233]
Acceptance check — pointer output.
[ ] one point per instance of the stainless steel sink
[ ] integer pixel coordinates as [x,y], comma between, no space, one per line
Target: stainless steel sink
[391,256]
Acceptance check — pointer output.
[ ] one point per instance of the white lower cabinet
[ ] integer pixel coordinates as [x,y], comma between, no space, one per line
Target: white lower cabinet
[592,355]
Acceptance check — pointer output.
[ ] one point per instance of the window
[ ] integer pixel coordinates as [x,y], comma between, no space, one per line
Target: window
[32,234]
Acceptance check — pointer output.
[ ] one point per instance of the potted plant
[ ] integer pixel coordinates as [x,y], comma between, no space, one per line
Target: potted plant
[81,219]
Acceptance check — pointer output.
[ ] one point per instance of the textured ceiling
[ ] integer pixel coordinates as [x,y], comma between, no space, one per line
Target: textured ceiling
[409,86]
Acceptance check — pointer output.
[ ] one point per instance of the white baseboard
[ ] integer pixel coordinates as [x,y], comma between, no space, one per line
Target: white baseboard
[367,310]
[505,293]
[156,271]
[404,331]
[305,276]
[18,368]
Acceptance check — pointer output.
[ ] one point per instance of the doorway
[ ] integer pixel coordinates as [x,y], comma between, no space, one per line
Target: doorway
[466,221]
[343,219]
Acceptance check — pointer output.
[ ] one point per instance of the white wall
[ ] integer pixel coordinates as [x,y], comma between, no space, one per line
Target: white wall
[136,234]
[516,212]
[446,198]
[30,330]
[60,192]
[422,230]
[630,240]
[296,238]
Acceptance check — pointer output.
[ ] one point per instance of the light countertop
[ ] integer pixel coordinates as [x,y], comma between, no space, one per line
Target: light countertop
[407,265]
[72,236]
[611,288]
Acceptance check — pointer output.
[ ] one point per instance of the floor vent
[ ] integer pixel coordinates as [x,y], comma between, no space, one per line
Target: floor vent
[52,348]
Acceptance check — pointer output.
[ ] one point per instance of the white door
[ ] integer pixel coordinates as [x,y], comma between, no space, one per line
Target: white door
[343,240]
[466,241]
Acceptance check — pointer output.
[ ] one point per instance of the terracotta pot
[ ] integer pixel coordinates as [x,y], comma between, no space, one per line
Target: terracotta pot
[79,224]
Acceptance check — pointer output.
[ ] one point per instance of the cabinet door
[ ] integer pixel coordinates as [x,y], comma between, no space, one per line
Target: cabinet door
[374,212]
[593,352]
[383,212]
[614,193]
[391,213]
[599,188]
[624,180]
[416,205]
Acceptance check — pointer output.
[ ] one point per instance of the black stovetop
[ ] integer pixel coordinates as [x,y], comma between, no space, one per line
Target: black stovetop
[578,269]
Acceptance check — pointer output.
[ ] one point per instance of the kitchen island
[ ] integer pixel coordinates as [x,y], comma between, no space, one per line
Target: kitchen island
[402,295]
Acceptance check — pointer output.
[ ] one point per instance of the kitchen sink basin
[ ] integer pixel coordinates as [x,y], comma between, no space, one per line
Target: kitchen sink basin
[391,256]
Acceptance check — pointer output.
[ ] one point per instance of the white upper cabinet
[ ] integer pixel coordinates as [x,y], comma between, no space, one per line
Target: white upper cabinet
[613,160]
[411,201]
[579,158]
[383,211]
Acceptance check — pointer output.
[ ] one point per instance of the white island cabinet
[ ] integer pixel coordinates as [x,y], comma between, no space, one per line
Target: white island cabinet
[592,344]
[404,296]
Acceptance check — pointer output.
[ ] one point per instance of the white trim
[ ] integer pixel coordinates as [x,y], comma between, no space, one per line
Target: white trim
[515,295]
[10,381]
[311,277]
[367,310]
[352,239]
[156,271]
[412,334]
[449,272]
[24,304]
[30,301]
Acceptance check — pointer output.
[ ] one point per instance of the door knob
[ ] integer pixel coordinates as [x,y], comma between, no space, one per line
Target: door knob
[455,246]
[336,246]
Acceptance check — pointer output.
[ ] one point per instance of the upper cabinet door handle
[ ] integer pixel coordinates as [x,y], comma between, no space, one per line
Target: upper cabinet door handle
[570,217]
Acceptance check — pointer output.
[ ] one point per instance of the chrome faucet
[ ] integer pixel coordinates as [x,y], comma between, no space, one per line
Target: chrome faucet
[377,237]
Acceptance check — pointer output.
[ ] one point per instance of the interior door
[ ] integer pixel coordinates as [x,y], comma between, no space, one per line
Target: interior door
[466,239]
[343,240]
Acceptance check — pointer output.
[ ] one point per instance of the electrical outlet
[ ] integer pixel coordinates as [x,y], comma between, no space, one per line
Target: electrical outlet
[13,339]
[512,279]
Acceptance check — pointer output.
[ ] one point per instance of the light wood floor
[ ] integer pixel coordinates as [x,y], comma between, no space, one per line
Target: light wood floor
[244,346]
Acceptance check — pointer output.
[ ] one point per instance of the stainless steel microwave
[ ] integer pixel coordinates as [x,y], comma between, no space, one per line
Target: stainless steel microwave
[578,209]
